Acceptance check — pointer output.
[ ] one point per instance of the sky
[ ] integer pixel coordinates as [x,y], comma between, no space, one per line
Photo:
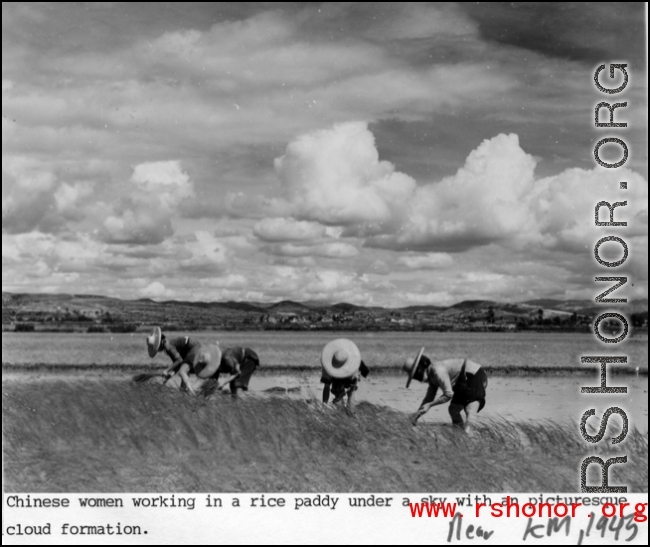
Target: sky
[387,154]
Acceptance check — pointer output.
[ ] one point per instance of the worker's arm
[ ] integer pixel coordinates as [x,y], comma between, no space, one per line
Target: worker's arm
[185,379]
[176,358]
[426,404]
[447,392]
[231,364]
[227,380]
[437,379]
[446,395]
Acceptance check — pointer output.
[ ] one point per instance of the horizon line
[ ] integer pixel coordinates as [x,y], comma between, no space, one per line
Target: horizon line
[327,303]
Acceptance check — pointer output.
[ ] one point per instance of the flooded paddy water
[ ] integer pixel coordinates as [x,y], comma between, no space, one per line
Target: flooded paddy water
[555,398]
[302,348]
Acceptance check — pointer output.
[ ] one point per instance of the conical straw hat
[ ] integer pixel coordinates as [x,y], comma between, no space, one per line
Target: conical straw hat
[341,358]
[411,365]
[153,341]
[208,360]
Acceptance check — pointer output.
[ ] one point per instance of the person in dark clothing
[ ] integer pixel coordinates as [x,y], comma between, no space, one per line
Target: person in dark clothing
[462,382]
[238,364]
[342,371]
[188,356]
[340,387]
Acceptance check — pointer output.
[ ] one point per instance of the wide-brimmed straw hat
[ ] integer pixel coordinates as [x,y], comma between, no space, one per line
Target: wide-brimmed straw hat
[411,366]
[153,341]
[341,358]
[208,360]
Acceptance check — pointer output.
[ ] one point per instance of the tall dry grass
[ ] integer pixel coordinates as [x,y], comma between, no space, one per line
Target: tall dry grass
[118,437]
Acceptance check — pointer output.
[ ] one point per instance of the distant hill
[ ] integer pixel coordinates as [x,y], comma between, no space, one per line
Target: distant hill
[244,306]
[425,309]
[345,307]
[287,306]
[317,304]
[57,311]
[473,304]
[76,300]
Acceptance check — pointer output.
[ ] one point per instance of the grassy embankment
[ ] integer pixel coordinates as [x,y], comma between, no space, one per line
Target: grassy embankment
[119,437]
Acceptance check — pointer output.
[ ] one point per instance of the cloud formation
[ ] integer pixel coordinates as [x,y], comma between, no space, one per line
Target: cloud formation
[287,229]
[414,144]
[429,261]
[327,250]
[144,215]
[33,198]
[480,204]
[335,177]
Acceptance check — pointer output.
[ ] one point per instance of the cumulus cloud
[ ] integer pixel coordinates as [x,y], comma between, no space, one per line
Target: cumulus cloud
[157,190]
[480,204]
[165,179]
[155,290]
[80,263]
[430,261]
[33,197]
[53,254]
[135,224]
[560,205]
[26,195]
[335,177]
[67,198]
[197,256]
[326,250]
[28,173]
[286,229]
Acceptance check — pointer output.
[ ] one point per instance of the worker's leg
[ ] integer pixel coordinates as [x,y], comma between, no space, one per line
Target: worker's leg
[352,399]
[455,412]
[471,410]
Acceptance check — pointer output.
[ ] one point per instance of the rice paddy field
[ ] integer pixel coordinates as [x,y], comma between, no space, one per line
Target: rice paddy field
[74,422]
[302,349]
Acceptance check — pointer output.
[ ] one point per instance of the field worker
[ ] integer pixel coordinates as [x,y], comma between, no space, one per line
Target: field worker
[188,356]
[461,381]
[238,364]
[342,371]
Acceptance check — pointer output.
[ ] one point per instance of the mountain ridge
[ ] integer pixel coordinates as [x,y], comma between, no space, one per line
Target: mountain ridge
[290,306]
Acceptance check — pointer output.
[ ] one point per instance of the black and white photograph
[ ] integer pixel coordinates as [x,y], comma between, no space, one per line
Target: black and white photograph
[324,247]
